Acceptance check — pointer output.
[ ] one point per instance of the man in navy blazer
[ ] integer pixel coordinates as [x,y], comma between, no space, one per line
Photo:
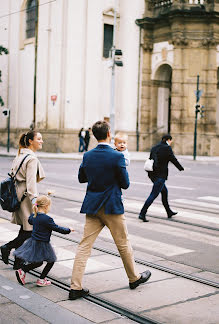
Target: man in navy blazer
[104,170]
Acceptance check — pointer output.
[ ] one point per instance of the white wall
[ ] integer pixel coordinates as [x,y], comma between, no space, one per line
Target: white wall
[57,50]
[25,86]
[76,64]
[128,41]
[43,65]
[4,41]
[95,107]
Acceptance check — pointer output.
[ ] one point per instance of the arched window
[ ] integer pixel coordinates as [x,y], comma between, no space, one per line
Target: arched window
[31,16]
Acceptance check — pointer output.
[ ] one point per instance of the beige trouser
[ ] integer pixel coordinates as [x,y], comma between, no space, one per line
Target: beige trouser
[93,226]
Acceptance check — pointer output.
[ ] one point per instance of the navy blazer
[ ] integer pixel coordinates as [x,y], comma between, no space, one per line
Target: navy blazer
[162,154]
[104,170]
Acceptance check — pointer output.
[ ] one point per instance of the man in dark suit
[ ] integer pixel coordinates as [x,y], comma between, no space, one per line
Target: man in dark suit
[87,138]
[104,170]
[162,154]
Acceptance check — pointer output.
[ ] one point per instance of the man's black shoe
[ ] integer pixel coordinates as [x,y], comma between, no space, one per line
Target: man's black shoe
[144,277]
[5,253]
[143,217]
[75,294]
[169,215]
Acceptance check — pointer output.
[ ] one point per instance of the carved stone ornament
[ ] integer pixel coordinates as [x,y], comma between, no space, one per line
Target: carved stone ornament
[148,46]
[180,41]
[209,41]
[110,12]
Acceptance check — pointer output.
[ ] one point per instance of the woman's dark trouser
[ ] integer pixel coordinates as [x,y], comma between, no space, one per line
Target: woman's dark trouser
[158,187]
[19,240]
[16,243]
[31,266]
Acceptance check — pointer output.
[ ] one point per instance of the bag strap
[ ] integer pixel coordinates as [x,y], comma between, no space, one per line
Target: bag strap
[20,165]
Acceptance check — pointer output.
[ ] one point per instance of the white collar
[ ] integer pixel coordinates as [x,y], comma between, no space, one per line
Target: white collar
[104,143]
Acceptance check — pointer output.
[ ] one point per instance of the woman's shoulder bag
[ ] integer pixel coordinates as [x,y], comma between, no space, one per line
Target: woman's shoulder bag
[148,166]
[8,196]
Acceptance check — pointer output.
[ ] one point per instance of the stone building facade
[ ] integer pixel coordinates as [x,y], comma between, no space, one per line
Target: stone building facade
[180,40]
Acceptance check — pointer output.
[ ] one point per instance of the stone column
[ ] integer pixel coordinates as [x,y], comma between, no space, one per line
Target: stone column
[208,128]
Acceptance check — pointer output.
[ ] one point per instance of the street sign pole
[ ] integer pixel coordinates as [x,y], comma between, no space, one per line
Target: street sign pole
[195,133]
[8,142]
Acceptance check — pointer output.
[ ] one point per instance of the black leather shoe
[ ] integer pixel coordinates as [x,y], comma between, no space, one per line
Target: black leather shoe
[142,217]
[169,215]
[144,277]
[75,294]
[5,253]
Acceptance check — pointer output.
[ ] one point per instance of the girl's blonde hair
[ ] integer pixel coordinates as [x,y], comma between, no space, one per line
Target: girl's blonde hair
[41,202]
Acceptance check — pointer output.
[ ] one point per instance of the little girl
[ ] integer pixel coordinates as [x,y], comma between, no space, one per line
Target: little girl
[37,248]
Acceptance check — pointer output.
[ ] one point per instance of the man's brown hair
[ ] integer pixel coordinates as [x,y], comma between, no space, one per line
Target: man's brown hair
[100,130]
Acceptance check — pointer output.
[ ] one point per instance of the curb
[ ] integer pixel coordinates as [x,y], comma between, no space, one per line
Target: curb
[77,156]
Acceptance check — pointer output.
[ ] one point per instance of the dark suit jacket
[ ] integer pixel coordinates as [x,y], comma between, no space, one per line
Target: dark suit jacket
[105,171]
[162,154]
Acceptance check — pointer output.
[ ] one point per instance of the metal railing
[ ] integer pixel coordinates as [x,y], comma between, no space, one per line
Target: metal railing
[156,4]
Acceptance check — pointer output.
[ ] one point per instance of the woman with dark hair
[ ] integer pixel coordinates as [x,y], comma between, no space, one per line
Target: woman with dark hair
[27,177]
